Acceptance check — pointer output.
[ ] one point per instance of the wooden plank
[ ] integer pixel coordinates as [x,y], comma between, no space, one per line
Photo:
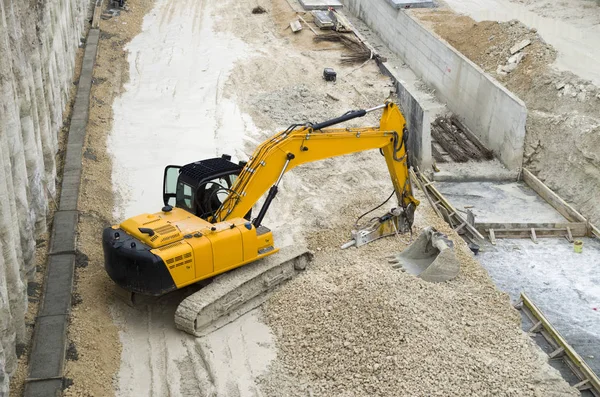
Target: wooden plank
[475,140]
[533,236]
[595,231]
[459,228]
[424,190]
[556,353]
[575,358]
[536,327]
[447,204]
[578,229]
[306,23]
[583,385]
[569,235]
[552,198]
[492,236]
[526,233]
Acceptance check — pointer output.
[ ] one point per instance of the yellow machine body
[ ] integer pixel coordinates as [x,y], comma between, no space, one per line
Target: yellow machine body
[194,249]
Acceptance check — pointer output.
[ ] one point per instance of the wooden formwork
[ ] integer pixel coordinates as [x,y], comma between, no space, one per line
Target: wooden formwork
[561,349]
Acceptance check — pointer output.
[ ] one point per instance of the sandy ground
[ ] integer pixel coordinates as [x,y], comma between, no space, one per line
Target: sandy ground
[199,102]
[250,76]
[572,28]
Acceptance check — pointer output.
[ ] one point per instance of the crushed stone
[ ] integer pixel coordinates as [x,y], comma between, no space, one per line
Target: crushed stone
[353,326]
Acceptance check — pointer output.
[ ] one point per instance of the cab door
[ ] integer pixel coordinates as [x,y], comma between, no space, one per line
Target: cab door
[170,184]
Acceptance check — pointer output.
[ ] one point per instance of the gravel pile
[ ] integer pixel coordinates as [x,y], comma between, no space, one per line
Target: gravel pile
[352,326]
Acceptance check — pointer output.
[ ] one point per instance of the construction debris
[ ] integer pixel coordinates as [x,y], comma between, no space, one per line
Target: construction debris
[341,24]
[358,51]
[329,74]
[519,46]
[323,20]
[456,141]
[320,4]
[295,26]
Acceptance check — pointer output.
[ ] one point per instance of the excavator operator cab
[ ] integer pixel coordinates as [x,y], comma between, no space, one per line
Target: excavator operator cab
[201,187]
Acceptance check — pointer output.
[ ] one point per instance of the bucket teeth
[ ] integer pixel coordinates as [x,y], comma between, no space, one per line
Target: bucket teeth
[233,294]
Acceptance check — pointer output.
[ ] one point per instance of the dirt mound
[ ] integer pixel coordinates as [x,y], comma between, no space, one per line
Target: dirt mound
[563,109]
[353,326]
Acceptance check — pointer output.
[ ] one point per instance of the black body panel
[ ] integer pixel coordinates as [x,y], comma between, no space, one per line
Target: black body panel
[132,266]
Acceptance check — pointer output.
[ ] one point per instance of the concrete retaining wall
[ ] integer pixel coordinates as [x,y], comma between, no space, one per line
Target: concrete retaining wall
[38,43]
[494,114]
[419,111]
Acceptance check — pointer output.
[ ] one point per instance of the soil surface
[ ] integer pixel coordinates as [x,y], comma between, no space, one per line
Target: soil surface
[563,126]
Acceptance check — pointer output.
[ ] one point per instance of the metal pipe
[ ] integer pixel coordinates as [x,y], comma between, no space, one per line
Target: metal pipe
[272,193]
[345,117]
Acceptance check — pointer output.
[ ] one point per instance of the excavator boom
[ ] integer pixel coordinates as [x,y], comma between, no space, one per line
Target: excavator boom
[297,146]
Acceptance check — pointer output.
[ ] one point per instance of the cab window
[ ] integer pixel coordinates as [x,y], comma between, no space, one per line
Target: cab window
[185,196]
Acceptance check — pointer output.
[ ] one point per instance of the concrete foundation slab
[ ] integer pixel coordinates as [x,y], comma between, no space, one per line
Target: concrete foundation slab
[563,284]
[44,388]
[63,232]
[412,3]
[48,348]
[500,202]
[59,282]
[320,4]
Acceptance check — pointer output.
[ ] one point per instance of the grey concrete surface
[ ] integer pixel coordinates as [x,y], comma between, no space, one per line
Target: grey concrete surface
[473,171]
[59,282]
[419,109]
[563,284]
[70,190]
[412,3]
[48,348]
[49,342]
[492,112]
[500,202]
[44,388]
[320,4]
[63,232]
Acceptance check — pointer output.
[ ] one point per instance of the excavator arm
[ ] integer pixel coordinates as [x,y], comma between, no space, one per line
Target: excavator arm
[304,144]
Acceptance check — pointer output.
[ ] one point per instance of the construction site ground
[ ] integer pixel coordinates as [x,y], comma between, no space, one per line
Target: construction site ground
[178,81]
[563,129]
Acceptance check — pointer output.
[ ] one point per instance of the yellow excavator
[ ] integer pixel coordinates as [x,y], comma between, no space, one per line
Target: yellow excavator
[205,228]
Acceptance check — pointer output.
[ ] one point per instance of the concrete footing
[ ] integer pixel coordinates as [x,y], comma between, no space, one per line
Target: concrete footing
[412,3]
[320,4]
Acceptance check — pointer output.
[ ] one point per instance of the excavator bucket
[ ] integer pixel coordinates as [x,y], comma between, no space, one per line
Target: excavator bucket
[431,257]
